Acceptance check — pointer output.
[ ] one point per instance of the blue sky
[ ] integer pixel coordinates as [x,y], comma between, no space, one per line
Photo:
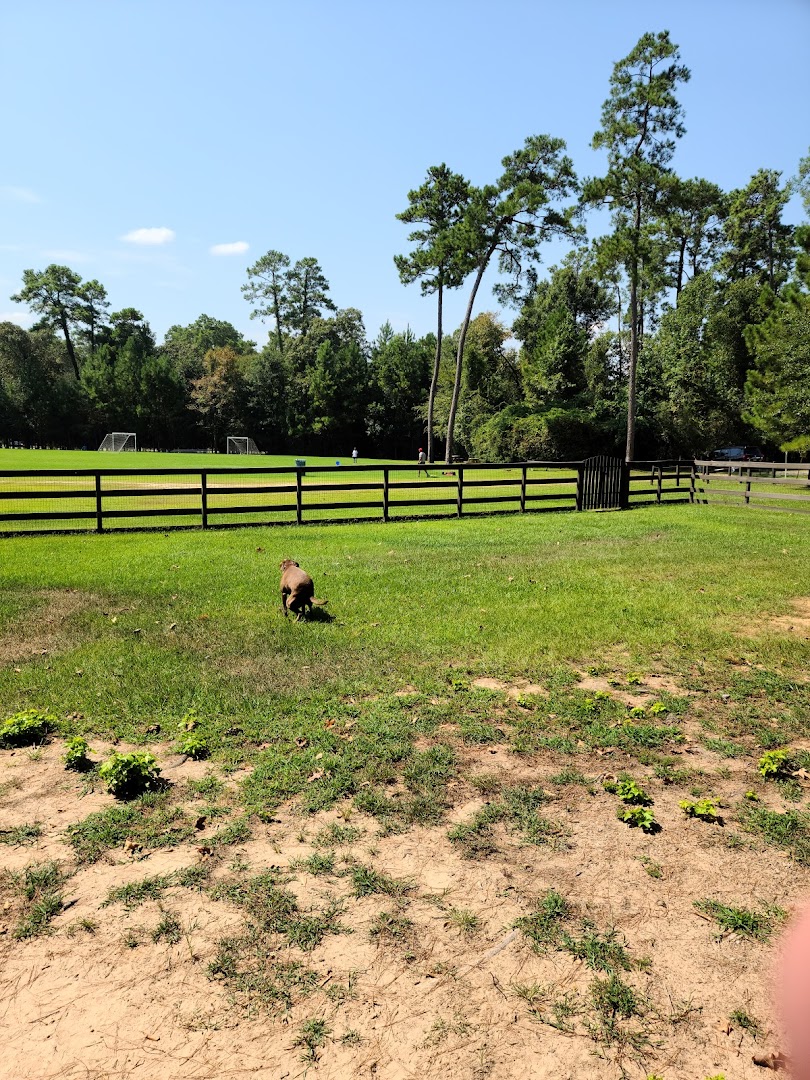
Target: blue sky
[141,135]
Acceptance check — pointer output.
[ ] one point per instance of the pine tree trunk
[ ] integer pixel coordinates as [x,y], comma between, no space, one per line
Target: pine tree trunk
[631,374]
[451,421]
[69,344]
[435,380]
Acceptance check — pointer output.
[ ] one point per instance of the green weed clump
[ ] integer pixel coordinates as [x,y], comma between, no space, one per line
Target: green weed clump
[775,764]
[638,817]
[129,775]
[25,728]
[704,809]
[39,887]
[20,835]
[193,745]
[758,925]
[147,822]
[790,830]
[75,755]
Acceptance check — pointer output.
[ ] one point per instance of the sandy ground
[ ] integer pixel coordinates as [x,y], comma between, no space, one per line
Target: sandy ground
[438,1002]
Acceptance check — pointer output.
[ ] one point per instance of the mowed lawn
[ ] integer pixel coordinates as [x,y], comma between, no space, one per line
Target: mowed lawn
[553,768]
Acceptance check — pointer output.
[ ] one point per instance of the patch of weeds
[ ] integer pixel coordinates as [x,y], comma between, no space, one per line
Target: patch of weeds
[26,728]
[426,775]
[532,993]
[486,783]
[208,787]
[790,830]
[758,925]
[339,993]
[775,764]
[335,834]
[790,790]
[169,929]
[86,926]
[75,755]
[601,952]
[274,910]
[441,1028]
[651,867]
[366,881]
[193,877]
[544,927]
[569,775]
[628,791]
[725,747]
[475,732]
[742,1019]
[237,832]
[352,1037]
[521,805]
[39,888]
[474,836]
[132,937]
[136,893]
[465,921]
[316,863]
[563,1011]
[704,809]
[148,822]
[670,773]
[129,775]
[613,1001]
[247,965]
[392,925]
[311,1036]
[21,835]
[193,745]
[638,817]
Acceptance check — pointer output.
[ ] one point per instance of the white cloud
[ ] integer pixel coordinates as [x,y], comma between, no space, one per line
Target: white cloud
[19,318]
[19,194]
[238,247]
[150,237]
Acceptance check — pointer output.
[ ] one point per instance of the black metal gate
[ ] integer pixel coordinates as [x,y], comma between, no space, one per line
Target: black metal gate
[603,484]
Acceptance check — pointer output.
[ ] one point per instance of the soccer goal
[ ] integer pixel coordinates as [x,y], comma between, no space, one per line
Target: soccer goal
[237,444]
[119,440]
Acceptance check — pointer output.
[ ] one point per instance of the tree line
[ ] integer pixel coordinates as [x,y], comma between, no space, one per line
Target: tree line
[682,328]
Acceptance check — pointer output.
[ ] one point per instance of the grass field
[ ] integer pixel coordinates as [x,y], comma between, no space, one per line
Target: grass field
[148,459]
[404,842]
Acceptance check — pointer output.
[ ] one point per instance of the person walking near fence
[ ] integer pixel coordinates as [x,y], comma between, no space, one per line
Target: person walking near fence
[422,459]
[354,456]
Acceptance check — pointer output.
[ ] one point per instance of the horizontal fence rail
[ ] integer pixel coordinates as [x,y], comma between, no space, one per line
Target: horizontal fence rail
[771,485]
[51,500]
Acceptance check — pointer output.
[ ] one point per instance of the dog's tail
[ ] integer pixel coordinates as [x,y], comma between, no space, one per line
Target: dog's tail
[319,603]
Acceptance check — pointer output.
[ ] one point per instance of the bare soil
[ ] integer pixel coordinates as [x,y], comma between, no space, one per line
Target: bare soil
[438,1002]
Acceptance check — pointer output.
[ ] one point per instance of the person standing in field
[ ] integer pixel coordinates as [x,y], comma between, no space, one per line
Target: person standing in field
[422,459]
[354,456]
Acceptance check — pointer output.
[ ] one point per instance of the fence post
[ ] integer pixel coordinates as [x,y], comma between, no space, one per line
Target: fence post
[624,496]
[204,498]
[748,490]
[99,522]
[660,480]
[460,495]
[523,490]
[692,484]
[678,475]
[299,506]
[580,482]
[385,494]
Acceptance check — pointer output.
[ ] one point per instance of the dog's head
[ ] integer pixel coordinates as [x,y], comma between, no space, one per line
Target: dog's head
[285,563]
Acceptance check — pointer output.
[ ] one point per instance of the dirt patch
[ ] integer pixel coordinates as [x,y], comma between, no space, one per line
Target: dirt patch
[451,988]
[649,685]
[46,628]
[515,690]
[796,622]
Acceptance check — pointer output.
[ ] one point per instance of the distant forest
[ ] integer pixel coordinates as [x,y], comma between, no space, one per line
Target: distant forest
[684,328]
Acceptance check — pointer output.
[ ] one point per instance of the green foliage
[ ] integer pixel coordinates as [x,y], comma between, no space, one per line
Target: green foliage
[705,809]
[75,755]
[754,924]
[366,881]
[169,929]
[311,1036]
[129,775]
[193,745]
[774,764]
[39,887]
[630,792]
[638,817]
[20,835]
[149,822]
[544,927]
[25,728]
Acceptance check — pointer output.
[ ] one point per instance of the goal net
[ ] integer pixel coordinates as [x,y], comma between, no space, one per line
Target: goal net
[237,444]
[119,440]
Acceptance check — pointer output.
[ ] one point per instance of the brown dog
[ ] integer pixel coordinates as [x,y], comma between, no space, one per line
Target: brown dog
[297,590]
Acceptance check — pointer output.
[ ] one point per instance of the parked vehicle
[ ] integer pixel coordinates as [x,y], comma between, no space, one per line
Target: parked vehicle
[738,453]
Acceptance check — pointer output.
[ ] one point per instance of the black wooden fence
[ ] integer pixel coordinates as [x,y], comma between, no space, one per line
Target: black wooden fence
[48,500]
[771,485]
